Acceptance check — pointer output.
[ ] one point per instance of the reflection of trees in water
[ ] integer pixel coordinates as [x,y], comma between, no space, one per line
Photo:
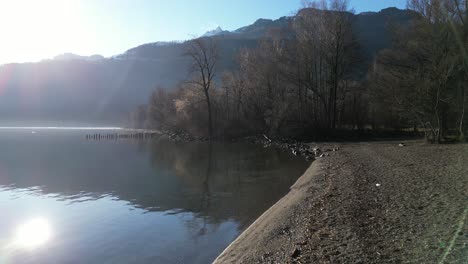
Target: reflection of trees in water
[200,226]
[205,201]
[214,183]
[231,181]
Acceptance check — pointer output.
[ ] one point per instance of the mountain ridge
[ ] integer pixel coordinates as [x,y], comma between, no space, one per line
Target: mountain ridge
[106,89]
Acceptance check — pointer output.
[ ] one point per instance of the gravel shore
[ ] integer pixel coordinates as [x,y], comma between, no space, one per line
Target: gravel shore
[367,203]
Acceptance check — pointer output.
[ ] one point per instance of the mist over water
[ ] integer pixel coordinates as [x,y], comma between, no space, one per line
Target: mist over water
[74,200]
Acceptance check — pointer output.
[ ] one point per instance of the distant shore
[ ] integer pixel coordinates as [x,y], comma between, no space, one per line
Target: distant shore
[373,202]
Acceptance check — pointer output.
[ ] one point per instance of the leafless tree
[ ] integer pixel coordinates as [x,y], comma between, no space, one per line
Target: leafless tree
[424,73]
[304,79]
[325,47]
[203,53]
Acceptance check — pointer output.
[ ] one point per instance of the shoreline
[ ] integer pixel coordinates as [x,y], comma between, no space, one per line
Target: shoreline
[262,229]
[370,202]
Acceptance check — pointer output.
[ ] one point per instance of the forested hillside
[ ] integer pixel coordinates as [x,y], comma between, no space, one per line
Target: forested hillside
[105,90]
[329,72]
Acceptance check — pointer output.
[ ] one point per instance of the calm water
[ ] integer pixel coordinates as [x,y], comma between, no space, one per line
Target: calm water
[64,199]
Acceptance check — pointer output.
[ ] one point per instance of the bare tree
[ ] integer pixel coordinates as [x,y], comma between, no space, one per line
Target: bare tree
[324,48]
[448,20]
[161,109]
[424,73]
[307,81]
[204,55]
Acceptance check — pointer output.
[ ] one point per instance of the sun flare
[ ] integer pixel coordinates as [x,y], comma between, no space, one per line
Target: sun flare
[33,233]
[36,30]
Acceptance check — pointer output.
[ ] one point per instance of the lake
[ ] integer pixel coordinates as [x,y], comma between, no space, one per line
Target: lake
[66,199]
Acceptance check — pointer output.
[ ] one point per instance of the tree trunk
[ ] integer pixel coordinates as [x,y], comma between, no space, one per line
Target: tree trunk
[210,118]
[335,88]
[462,116]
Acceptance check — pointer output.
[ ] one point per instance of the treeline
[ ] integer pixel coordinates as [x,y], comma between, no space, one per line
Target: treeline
[310,80]
[423,78]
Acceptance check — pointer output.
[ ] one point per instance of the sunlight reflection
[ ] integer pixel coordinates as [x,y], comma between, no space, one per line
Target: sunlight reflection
[32,233]
[59,128]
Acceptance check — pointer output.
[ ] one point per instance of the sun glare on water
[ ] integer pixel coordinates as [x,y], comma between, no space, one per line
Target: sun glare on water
[32,234]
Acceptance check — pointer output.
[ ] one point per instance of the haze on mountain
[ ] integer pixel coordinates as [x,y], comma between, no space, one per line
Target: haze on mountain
[103,91]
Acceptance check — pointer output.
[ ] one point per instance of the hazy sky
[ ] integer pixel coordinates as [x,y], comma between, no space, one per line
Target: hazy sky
[32,30]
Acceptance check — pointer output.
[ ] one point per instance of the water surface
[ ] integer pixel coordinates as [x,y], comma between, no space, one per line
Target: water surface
[65,199]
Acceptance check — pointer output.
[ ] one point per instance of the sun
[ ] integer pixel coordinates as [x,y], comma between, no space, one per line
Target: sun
[36,30]
[32,234]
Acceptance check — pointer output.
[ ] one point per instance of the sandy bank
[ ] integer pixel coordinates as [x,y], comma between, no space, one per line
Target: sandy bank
[273,229]
[367,203]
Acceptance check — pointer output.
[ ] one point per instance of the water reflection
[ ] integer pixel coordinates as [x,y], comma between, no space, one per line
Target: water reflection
[169,202]
[225,180]
[219,181]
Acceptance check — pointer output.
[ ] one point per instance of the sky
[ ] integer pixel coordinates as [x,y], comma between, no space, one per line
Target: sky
[32,30]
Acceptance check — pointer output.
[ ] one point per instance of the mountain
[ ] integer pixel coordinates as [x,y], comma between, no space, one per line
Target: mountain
[260,27]
[71,56]
[215,32]
[374,29]
[102,90]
